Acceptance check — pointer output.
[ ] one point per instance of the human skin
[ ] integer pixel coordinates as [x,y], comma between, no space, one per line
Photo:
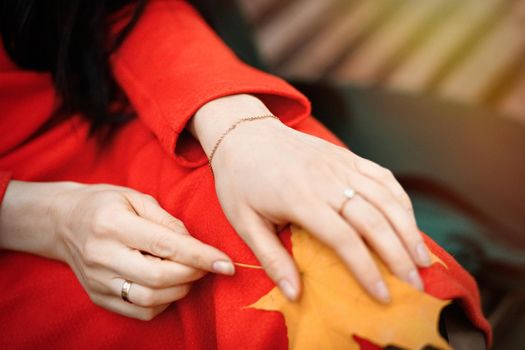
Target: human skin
[108,234]
[266,175]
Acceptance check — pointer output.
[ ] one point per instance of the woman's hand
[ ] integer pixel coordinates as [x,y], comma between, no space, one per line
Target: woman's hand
[268,175]
[108,234]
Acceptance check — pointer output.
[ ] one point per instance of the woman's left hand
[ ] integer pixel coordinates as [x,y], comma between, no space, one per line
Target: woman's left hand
[268,174]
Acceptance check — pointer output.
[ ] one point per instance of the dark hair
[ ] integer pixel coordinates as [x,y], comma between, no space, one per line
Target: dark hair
[71,40]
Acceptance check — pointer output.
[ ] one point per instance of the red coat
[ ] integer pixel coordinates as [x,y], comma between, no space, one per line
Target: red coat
[169,66]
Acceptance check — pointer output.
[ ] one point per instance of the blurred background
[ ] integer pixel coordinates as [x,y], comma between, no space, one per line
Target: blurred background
[466,50]
[433,90]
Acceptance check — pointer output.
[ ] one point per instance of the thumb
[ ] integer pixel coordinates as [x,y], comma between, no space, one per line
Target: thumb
[259,234]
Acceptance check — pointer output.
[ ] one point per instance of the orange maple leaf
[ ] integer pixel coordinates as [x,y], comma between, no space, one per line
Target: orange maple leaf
[333,307]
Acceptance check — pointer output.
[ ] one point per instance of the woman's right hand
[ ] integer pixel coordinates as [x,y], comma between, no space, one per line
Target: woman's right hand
[108,234]
[111,234]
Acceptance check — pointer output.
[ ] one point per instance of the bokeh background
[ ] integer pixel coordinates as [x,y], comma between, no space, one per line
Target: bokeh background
[465,50]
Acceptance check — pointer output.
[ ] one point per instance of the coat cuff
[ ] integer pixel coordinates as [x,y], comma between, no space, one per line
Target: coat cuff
[5,177]
[172,63]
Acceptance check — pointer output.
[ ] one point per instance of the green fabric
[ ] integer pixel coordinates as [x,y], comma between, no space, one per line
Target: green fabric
[469,242]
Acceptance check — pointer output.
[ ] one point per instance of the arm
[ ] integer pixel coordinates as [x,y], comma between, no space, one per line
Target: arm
[26,223]
[172,64]
[174,68]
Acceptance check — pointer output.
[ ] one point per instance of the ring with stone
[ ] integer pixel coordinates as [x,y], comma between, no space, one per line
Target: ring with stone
[349,193]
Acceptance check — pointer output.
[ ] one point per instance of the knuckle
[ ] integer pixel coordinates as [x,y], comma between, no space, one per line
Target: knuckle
[146,298]
[177,224]
[102,222]
[150,198]
[386,173]
[182,291]
[363,164]
[407,230]
[373,223]
[157,278]
[108,195]
[198,260]
[162,245]
[397,209]
[407,202]
[403,196]
[272,263]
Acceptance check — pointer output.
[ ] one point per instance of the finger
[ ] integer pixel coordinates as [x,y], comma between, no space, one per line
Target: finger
[401,221]
[154,273]
[149,297]
[149,208]
[260,236]
[385,177]
[157,240]
[333,230]
[134,266]
[119,306]
[373,226]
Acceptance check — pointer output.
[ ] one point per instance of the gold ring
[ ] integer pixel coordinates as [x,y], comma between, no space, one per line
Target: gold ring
[124,292]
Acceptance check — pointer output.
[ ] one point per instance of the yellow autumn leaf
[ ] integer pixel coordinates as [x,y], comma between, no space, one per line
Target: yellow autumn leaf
[333,306]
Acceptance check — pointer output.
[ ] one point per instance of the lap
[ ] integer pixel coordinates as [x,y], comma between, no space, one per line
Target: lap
[43,302]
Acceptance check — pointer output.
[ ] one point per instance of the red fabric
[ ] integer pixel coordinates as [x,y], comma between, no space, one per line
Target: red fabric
[4,181]
[170,65]
[195,69]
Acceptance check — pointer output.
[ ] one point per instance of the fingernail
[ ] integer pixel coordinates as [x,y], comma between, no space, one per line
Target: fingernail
[414,279]
[422,254]
[223,267]
[381,291]
[289,291]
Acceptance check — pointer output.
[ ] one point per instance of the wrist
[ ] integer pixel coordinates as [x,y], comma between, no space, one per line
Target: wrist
[215,117]
[59,211]
[240,144]
[234,126]
[28,217]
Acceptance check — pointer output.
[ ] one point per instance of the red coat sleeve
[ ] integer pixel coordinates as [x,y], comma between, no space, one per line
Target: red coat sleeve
[172,63]
[4,181]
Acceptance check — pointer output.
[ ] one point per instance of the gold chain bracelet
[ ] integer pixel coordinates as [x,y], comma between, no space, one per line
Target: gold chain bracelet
[248,119]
